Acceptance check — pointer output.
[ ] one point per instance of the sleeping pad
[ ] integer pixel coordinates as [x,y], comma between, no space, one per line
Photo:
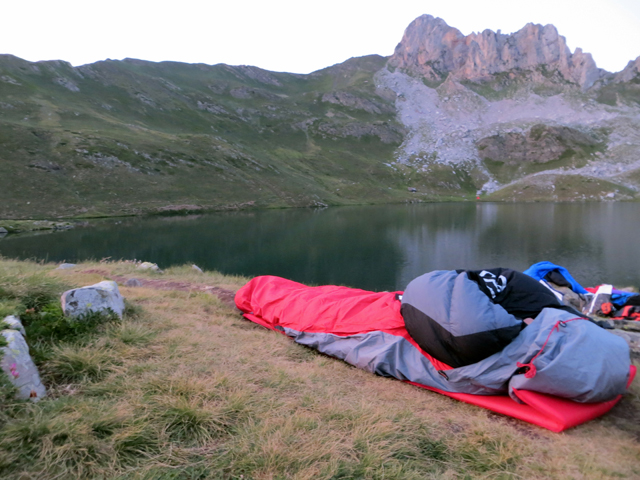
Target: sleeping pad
[557,372]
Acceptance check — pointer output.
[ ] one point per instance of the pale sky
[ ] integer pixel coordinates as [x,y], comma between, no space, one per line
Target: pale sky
[292,35]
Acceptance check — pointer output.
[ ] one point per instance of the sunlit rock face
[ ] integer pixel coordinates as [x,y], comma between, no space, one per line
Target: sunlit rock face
[433,49]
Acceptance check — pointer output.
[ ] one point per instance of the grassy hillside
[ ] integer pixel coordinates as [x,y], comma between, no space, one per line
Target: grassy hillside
[132,136]
[185,388]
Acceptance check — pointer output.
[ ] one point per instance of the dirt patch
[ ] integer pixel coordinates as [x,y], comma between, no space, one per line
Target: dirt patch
[225,296]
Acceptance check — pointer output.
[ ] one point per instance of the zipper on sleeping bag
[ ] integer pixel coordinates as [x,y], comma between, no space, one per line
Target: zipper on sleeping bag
[529,369]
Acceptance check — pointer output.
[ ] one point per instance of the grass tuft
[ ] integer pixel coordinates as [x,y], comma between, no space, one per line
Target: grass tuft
[135,441]
[8,307]
[71,363]
[134,334]
[49,323]
[131,310]
[191,420]
[28,284]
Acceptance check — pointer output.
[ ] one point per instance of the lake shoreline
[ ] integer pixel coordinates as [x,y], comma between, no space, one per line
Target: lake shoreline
[377,248]
[23,225]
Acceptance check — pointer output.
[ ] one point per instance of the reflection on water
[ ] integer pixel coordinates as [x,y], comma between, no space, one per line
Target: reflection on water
[376,248]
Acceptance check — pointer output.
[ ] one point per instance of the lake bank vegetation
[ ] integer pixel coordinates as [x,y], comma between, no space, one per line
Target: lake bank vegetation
[182,387]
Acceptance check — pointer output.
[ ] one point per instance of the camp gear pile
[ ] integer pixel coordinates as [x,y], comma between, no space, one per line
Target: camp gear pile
[462,334]
[601,301]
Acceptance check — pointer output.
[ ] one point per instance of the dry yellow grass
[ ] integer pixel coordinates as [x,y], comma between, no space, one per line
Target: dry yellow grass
[188,389]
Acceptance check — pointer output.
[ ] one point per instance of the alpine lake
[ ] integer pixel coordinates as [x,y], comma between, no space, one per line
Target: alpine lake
[369,247]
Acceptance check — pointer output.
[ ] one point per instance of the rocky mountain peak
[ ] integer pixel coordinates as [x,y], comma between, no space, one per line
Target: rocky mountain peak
[630,73]
[433,49]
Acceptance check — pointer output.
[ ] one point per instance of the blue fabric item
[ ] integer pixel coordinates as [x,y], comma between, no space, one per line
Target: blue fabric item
[620,298]
[540,269]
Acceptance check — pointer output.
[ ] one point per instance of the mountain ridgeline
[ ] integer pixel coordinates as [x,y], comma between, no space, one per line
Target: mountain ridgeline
[509,117]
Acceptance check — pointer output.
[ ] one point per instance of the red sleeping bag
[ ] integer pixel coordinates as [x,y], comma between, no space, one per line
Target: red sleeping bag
[320,317]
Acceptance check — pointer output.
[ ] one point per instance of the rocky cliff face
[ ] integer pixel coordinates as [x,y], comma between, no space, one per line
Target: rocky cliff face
[631,72]
[541,144]
[433,49]
[507,112]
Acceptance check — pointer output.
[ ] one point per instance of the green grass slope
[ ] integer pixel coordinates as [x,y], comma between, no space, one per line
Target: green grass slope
[127,137]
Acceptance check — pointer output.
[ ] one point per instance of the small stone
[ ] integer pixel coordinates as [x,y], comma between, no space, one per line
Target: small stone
[149,266]
[197,268]
[101,297]
[13,323]
[19,367]
[3,230]
[133,282]
[65,266]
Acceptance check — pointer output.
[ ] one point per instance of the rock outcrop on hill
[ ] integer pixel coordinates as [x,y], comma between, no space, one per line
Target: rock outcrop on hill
[631,73]
[541,144]
[505,111]
[434,49]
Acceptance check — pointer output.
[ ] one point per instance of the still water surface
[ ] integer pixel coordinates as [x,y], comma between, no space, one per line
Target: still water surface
[373,247]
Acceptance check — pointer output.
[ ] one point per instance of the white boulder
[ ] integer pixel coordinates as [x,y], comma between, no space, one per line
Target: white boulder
[149,266]
[19,367]
[100,297]
[13,323]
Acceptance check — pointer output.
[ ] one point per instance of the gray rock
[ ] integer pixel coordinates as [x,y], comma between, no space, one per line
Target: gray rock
[133,282]
[541,144]
[65,266]
[630,72]
[3,232]
[197,268]
[13,323]
[95,298]
[149,266]
[19,367]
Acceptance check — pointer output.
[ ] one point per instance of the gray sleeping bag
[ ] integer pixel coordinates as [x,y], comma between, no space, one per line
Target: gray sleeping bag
[580,361]
[454,317]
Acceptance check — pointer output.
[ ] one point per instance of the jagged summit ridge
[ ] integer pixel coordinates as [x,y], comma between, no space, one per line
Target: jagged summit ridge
[432,48]
[630,73]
